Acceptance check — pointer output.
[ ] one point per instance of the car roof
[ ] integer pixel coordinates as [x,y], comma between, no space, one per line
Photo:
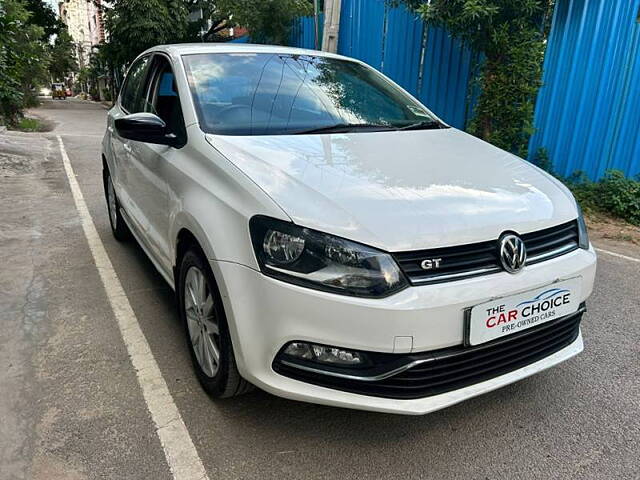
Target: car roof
[179,49]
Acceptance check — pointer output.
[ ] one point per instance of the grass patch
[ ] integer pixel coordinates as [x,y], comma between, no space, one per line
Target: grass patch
[27,124]
[31,124]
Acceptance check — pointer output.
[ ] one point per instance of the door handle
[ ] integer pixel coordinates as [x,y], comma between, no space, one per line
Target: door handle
[127,148]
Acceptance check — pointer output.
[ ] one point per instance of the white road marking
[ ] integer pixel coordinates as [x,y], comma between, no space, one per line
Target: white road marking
[180,452]
[619,255]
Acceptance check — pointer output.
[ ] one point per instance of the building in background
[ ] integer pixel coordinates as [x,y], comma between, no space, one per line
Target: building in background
[84,21]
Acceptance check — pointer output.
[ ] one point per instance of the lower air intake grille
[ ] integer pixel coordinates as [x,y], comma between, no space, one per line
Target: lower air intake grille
[442,371]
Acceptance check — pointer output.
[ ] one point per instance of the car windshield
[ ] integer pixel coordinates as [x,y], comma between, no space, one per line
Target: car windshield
[276,94]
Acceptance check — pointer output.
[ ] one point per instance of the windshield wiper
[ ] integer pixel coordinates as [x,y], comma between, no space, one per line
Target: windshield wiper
[344,128]
[424,125]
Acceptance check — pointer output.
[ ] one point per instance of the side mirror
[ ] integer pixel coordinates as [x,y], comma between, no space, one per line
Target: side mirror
[145,127]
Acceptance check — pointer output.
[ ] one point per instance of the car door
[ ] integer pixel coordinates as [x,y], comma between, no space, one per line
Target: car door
[132,99]
[150,162]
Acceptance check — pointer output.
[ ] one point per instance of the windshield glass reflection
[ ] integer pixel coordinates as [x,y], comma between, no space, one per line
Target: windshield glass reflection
[273,94]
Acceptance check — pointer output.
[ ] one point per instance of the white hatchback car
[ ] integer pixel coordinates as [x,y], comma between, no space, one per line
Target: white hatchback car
[331,240]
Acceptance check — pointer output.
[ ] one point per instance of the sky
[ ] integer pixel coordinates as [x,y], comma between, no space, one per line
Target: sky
[54,5]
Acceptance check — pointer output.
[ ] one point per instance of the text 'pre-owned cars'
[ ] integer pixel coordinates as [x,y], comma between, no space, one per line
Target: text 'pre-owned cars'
[331,240]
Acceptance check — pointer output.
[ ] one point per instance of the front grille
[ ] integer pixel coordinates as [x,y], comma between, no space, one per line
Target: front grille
[551,242]
[465,261]
[442,371]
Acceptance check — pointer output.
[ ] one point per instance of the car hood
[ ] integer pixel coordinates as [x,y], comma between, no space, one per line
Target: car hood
[400,190]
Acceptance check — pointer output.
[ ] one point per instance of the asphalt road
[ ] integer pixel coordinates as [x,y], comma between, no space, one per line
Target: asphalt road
[71,407]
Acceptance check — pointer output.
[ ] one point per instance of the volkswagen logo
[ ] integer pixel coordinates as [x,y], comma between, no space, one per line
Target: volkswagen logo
[513,253]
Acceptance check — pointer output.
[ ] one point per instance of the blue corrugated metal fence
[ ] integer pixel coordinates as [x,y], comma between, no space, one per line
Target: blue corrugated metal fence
[588,111]
[427,62]
[303,32]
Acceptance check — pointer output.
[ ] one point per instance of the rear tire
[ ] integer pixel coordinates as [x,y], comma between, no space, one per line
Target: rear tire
[206,329]
[119,228]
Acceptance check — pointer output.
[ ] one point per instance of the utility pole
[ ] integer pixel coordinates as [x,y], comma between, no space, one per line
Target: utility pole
[316,27]
[331,25]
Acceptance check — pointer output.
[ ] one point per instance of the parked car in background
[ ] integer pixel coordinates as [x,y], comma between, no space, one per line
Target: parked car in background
[58,91]
[331,240]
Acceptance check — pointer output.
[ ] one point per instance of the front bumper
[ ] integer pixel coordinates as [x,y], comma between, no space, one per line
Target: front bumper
[264,314]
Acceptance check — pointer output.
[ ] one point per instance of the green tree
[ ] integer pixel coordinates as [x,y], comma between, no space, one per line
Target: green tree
[268,21]
[510,34]
[135,25]
[208,22]
[62,54]
[89,77]
[42,15]
[23,59]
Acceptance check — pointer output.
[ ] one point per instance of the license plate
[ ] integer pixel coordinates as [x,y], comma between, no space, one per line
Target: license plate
[516,313]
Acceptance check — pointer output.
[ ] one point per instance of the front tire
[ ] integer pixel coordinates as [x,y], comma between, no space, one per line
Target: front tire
[206,328]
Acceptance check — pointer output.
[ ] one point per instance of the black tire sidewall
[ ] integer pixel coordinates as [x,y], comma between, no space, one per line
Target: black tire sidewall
[216,385]
[107,181]
[120,230]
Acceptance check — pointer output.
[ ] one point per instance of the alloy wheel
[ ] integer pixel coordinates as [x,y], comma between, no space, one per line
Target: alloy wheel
[202,323]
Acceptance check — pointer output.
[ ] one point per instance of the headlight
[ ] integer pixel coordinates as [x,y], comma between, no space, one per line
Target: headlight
[321,261]
[583,235]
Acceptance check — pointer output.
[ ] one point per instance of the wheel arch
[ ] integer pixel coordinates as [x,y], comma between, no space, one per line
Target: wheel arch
[188,232]
[184,239]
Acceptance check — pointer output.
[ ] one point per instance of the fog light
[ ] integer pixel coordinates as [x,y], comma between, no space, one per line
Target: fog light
[324,354]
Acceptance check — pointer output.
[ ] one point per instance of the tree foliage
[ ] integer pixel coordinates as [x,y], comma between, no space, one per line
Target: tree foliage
[62,56]
[42,15]
[510,34]
[135,25]
[23,59]
[88,77]
[268,21]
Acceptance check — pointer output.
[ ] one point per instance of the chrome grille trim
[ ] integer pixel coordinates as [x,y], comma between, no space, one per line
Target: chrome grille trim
[476,259]
[553,253]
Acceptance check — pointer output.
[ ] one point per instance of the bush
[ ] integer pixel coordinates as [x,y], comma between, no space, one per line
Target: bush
[543,161]
[621,196]
[614,194]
